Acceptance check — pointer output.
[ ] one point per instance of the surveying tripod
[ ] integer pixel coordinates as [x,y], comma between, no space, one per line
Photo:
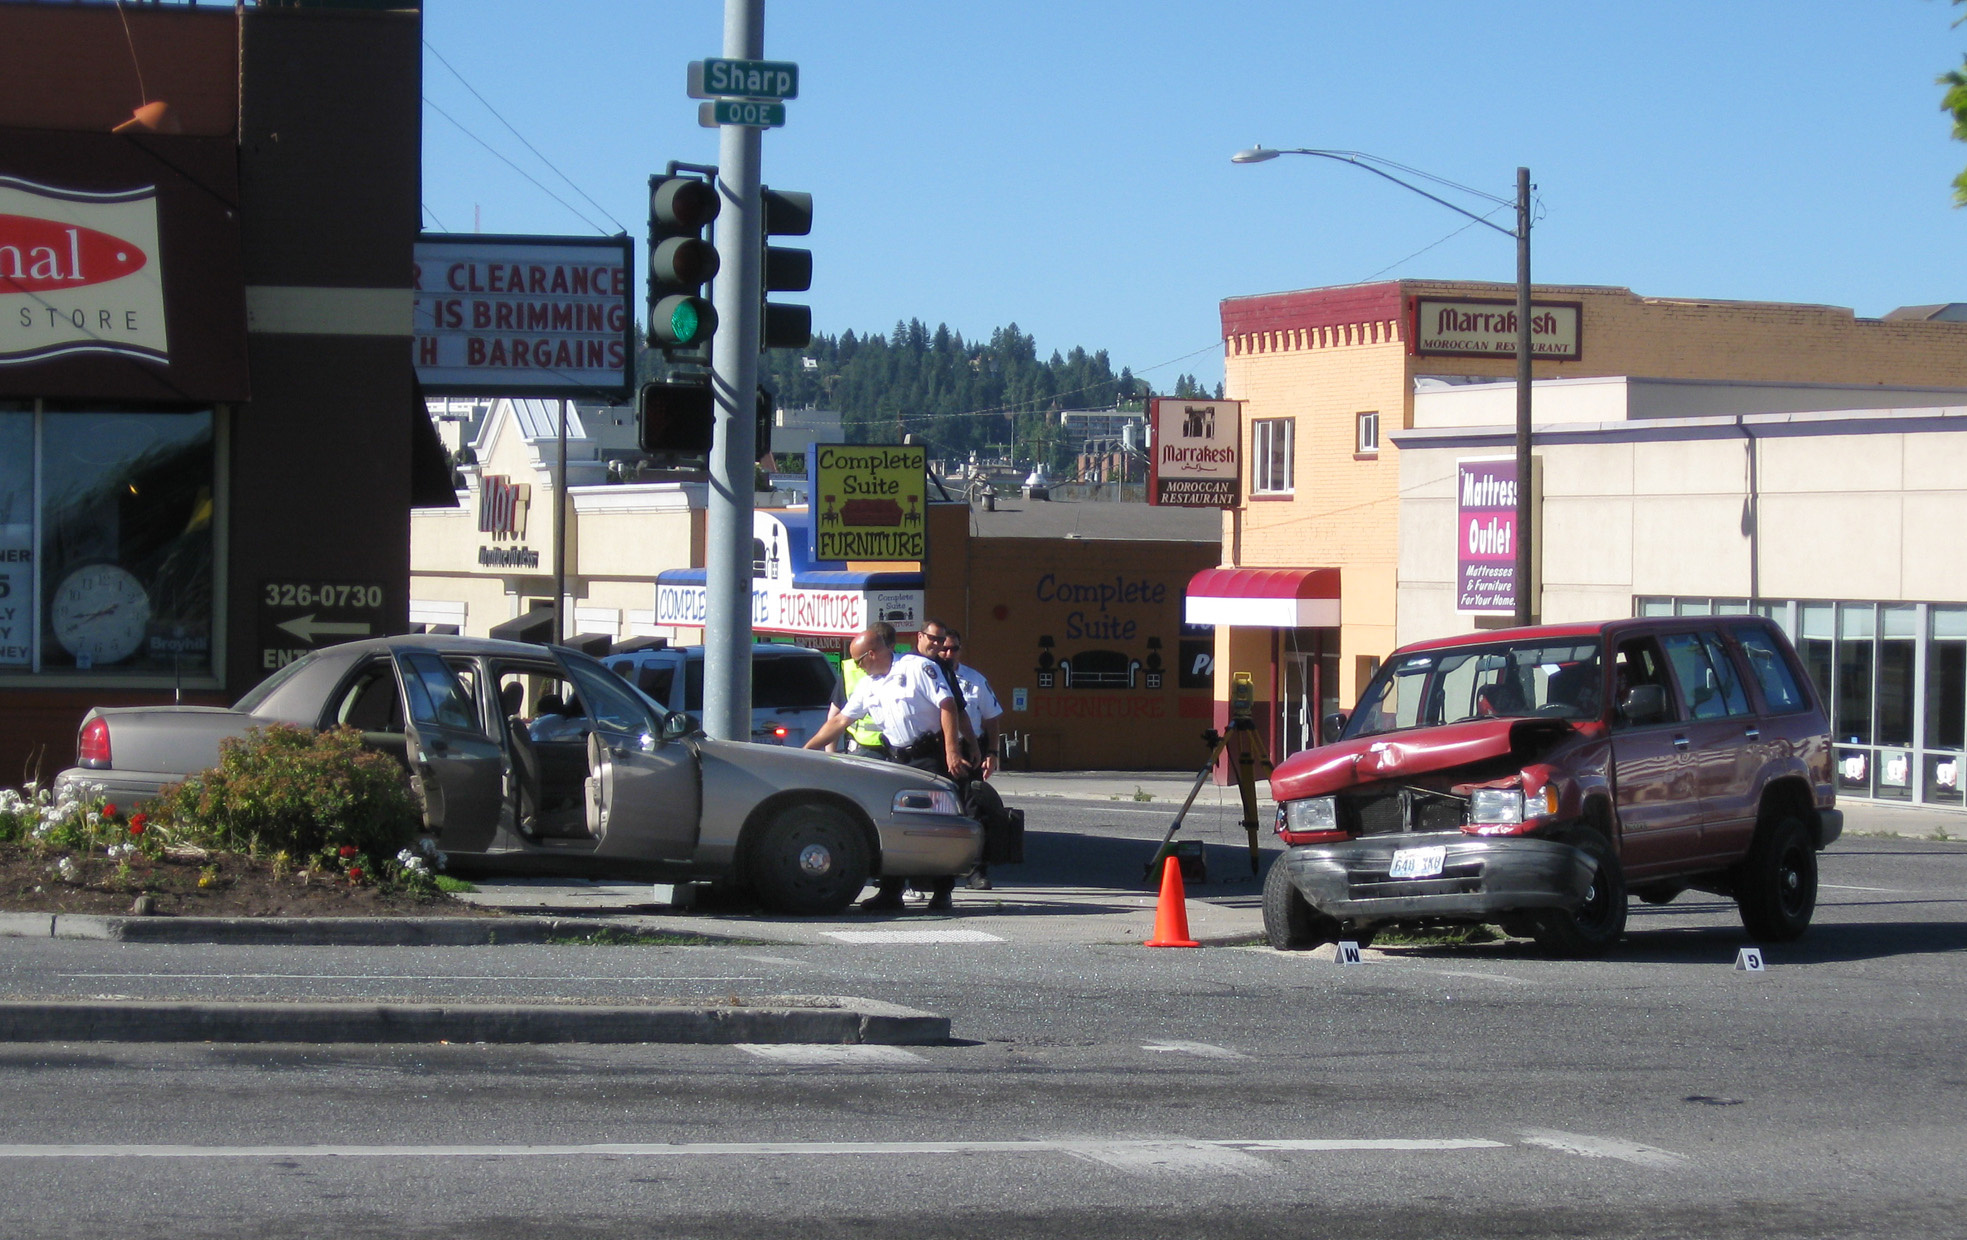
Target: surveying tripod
[1247,748]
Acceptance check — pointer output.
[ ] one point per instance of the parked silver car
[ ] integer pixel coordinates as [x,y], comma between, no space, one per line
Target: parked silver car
[601,780]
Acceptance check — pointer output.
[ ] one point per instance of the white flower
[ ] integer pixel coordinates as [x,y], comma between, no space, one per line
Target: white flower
[70,872]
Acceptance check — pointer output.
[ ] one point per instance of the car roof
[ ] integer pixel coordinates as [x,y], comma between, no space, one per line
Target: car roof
[1624,625]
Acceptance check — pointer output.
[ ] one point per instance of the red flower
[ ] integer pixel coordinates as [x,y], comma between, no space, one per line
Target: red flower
[355,874]
[347,851]
[137,823]
[109,811]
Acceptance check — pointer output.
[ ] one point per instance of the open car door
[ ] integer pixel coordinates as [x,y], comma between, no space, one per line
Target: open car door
[459,770]
[644,793]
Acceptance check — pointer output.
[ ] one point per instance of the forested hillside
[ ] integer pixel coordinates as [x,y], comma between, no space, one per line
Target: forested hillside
[997,398]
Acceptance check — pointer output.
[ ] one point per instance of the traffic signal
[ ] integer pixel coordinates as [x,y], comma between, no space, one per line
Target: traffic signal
[675,417]
[681,261]
[787,214]
[762,443]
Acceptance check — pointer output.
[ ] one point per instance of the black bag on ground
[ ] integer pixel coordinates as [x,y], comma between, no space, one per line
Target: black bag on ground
[1004,839]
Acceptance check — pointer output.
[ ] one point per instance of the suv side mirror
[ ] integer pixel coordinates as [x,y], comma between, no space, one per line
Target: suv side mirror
[677,725]
[1332,725]
[1644,704]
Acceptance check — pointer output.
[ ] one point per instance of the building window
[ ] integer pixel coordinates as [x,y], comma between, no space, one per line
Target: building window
[1270,455]
[1366,439]
[106,541]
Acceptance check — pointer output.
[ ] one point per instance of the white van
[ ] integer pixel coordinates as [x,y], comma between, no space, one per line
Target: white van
[791,686]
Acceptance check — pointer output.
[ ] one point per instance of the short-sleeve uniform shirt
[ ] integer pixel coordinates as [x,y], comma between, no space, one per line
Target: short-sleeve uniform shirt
[979,703]
[906,703]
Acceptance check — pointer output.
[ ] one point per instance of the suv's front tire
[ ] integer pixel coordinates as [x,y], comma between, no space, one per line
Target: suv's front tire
[1777,892]
[1595,925]
[1290,922]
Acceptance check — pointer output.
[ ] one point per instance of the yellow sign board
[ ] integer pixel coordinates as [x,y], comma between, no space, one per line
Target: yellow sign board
[870,501]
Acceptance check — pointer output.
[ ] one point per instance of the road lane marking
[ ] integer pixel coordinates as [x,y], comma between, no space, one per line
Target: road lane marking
[1200,1049]
[1178,1157]
[416,977]
[830,1056]
[1602,1147]
[1890,891]
[1485,977]
[914,936]
[725,1149]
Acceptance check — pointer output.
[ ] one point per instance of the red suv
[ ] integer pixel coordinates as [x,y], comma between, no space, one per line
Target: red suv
[1532,777]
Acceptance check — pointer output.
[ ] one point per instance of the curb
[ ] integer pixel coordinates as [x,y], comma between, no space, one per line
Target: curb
[821,1020]
[303,931]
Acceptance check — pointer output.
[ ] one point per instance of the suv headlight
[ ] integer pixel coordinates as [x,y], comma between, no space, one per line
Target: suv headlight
[1314,814]
[1496,806]
[927,801]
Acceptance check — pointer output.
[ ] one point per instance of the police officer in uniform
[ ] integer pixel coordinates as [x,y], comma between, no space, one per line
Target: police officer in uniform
[920,722]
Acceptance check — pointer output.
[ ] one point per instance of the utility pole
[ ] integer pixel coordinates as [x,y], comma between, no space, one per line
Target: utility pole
[737,296]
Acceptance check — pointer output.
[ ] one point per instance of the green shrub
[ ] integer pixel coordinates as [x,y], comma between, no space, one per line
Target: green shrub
[282,788]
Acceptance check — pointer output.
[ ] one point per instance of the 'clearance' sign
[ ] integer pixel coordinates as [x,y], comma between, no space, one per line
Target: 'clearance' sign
[524,316]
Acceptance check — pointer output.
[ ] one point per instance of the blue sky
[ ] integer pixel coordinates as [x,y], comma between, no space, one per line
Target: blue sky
[1065,165]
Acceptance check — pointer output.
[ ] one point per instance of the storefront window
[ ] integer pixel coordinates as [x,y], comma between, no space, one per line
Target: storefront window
[106,541]
[1946,703]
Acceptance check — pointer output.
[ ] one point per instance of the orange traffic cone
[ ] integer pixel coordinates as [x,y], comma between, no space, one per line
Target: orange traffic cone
[1171,914]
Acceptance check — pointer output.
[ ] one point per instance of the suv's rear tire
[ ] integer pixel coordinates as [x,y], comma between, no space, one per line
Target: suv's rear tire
[1595,925]
[811,860]
[1778,889]
[1290,922]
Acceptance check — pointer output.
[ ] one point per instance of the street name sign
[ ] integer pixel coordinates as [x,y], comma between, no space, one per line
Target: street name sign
[744,79]
[756,113]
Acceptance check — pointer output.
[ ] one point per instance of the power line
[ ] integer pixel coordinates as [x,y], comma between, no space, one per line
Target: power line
[522,137]
[515,167]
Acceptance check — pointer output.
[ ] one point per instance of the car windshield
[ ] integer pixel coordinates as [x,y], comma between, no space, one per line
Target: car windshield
[1550,679]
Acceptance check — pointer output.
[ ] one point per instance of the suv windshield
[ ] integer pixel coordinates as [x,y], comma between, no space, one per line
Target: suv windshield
[803,681]
[1552,679]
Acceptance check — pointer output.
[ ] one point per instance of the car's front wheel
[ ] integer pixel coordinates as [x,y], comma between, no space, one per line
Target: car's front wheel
[1778,889]
[810,860]
[1290,922]
[1596,924]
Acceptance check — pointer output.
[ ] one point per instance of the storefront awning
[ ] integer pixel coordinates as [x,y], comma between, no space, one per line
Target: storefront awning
[1264,598]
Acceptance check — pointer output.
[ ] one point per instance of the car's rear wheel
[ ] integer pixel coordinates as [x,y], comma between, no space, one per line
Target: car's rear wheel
[810,860]
[1597,923]
[1777,893]
[1290,922]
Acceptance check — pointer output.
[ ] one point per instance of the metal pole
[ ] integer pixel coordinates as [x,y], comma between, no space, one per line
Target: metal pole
[1526,602]
[560,537]
[734,384]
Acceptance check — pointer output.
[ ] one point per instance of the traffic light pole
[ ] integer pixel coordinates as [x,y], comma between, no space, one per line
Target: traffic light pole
[734,385]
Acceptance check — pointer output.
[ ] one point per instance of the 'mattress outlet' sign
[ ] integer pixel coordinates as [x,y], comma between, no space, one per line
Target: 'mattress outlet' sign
[1474,327]
[524,316]
[1196,458]
[1485,533]
[80,272]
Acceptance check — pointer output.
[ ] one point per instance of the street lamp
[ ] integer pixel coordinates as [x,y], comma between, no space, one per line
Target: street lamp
[1258,154]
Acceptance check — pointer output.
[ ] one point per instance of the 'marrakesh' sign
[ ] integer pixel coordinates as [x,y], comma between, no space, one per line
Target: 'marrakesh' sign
[1196,458]
[524,316]
[80,272]
[1476,327]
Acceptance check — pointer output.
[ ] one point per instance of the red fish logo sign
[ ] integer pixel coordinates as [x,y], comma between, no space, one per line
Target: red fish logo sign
[79,273]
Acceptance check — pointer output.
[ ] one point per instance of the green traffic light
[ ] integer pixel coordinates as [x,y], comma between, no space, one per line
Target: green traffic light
[684,322]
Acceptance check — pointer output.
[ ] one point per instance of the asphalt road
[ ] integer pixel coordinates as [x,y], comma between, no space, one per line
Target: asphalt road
[1093,1089]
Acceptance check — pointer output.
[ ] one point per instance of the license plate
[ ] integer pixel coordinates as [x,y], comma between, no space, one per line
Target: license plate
[1418,862]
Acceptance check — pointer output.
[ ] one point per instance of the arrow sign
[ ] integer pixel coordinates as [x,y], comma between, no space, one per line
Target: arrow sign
[307,628]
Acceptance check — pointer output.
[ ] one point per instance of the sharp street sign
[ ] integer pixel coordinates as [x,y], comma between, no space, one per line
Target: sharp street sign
[744,79]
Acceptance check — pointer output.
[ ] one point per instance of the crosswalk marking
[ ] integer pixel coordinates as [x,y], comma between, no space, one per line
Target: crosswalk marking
[1178,1157]
[830,1056]
[1201,1050]
[914,936]
[1601,1147]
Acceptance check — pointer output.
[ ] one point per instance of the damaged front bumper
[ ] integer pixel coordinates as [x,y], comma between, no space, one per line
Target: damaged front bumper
[1480,877]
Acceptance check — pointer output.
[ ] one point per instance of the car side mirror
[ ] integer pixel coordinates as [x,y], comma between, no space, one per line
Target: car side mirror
[1332,725]
[1644,704]
[676,725]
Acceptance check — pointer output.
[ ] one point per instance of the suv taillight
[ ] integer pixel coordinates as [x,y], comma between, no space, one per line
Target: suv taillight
[92,746]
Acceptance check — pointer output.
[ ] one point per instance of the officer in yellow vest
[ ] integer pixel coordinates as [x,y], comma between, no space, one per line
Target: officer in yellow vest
[864,734]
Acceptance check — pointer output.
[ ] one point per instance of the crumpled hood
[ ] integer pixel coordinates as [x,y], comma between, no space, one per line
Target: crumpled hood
[1401,755]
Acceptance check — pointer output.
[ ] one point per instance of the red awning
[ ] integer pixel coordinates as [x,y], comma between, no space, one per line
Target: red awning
[1264,598]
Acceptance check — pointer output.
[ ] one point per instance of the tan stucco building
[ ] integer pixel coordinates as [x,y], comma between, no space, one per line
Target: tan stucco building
[1328,381]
